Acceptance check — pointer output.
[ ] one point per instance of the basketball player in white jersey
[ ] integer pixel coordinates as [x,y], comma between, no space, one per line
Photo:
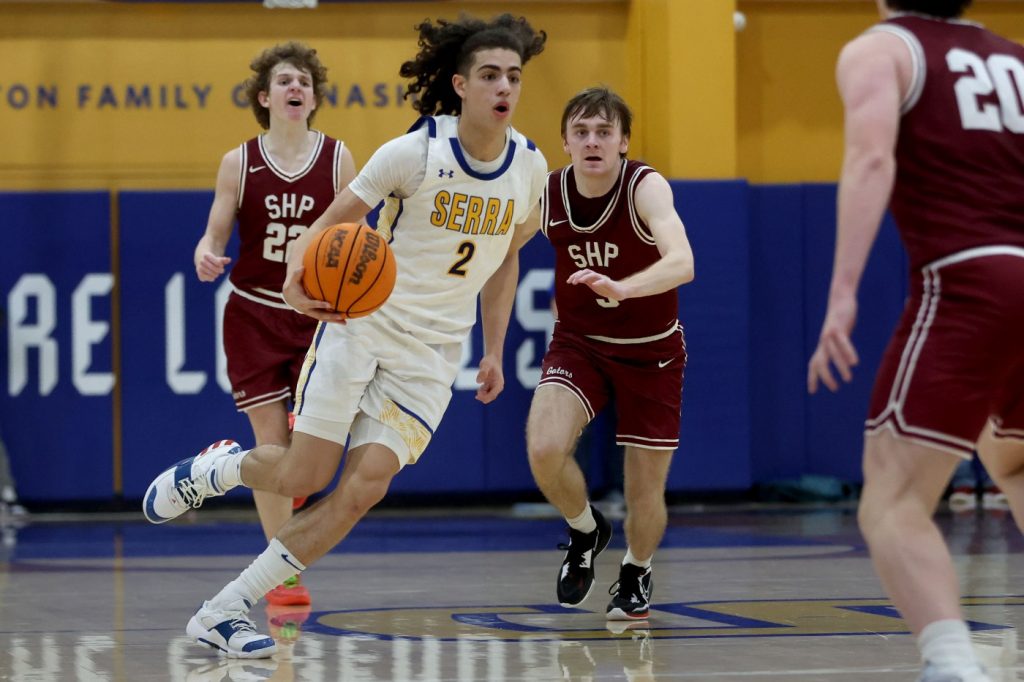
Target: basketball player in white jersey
[274,185]
[462,190]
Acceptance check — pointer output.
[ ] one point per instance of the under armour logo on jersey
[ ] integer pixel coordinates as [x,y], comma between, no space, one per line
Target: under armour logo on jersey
[445,173]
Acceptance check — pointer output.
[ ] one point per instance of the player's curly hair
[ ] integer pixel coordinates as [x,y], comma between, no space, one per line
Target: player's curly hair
[947,9]
[300,56]
[448,47]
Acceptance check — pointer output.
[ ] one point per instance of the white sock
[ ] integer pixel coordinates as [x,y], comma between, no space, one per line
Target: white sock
[269,570]
[630,559]
[947,644]
[230,469]
[585,522]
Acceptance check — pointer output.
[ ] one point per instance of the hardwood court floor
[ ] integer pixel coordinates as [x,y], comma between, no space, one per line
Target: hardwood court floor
[741,594]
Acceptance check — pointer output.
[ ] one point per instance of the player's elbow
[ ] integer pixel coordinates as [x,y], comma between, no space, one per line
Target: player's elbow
[869,159]
[684,271]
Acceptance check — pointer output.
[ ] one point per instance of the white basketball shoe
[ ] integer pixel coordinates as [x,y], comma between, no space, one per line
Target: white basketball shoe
[229,631]
[186,484]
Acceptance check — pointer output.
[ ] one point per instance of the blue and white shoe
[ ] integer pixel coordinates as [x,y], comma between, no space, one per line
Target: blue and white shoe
[230,631]
[185,485]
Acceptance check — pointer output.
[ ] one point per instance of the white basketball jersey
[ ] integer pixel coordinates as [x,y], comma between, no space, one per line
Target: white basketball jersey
[454,231]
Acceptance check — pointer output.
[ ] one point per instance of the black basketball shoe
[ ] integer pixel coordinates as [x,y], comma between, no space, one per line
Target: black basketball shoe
[631,593]
[576,576]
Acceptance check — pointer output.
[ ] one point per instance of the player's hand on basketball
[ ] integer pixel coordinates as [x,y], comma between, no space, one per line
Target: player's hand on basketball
[210,267]
[834,347]
[295,296]
[602,285]
[491,379]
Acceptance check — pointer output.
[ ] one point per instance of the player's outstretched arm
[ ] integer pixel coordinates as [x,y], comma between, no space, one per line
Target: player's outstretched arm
[656,205]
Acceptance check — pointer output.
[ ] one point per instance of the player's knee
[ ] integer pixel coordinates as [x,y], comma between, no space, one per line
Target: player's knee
[360,495]
[875,507]
[646,501]
[894,518]
[867,520]
[544,454]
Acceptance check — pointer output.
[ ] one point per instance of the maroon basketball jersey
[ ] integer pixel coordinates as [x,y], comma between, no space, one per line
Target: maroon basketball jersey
[960,154]
[274,209]
[606,235]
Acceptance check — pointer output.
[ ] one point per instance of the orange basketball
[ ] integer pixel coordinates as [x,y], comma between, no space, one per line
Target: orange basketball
[351,267]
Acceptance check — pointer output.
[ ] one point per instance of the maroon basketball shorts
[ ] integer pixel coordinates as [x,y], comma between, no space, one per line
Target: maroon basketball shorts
[265,348]
[956,360]
[645,378]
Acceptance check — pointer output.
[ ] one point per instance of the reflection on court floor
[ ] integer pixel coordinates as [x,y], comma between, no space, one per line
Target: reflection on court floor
[755,594]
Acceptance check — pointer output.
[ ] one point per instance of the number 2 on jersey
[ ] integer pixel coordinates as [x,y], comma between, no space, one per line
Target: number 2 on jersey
[466,251]
[1000,73]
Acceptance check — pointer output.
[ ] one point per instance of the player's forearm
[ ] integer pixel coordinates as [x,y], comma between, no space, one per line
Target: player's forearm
[332,215]
[671,271]
[346,208]
[496,299]
[864,191]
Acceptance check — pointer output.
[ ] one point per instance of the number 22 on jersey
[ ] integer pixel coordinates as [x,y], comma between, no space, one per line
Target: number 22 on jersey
[277,245]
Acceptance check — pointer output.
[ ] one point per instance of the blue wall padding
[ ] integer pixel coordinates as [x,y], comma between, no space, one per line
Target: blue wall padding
[752,316]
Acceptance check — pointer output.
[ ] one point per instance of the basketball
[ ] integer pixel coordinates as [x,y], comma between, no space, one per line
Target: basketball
[351,267]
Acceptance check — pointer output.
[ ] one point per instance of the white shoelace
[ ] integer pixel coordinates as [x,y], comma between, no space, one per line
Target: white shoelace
[192,493]
[242,624]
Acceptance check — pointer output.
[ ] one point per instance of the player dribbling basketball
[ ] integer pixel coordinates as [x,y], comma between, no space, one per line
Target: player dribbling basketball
[461,193]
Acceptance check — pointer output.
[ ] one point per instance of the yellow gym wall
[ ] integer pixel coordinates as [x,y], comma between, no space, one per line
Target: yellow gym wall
[789,121]
[97,94]
[191,57]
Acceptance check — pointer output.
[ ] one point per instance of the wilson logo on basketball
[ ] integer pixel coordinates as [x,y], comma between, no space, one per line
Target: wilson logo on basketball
[367,255]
